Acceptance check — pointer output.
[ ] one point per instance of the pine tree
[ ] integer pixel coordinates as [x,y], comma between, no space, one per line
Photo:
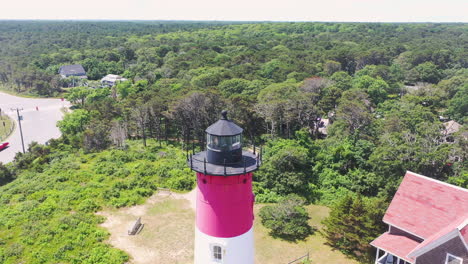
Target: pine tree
[353,223]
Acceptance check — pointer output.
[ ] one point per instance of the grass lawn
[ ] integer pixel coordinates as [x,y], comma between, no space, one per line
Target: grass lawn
[25,94]
[5,130]
[10,91]
[269,250]
[168,235]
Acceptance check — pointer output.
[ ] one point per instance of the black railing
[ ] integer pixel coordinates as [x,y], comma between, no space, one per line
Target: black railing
[258,161]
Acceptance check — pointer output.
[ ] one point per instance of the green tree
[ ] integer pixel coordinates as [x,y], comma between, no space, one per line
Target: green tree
[73,125]
[353,114]
[460,180]
[98,94]
[331,67]
[274,69]
[454,84]
[329,100]
[458,106]
[233,86]
[286,168]
[427,72]
[421,151]
[353,223]
[288,219]
[342,80]
[78,95]
[125,89]
[273,102]
[74,122]
[96,137]
[376,88]
[208,77]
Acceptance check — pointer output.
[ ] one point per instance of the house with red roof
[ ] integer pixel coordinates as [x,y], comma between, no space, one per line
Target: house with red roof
[428,224]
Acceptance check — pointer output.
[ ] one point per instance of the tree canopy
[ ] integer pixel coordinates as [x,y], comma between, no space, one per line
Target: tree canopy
[340,110]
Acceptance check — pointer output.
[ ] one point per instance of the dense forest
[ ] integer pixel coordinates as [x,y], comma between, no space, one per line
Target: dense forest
[341,110]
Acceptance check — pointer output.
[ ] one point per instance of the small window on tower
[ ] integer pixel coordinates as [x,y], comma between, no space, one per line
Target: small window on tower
[217,253]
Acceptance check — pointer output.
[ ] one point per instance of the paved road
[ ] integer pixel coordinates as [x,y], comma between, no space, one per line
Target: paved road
[38,125]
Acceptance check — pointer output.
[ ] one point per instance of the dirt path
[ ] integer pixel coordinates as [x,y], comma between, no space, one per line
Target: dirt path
[168,232]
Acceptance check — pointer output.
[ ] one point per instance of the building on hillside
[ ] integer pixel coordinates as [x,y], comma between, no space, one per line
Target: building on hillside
[73,70]
[450,128]
[449,135]
[323,126]
[112,79]
[428,224]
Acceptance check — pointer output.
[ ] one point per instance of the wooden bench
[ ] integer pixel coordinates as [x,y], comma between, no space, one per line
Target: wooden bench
[136,227]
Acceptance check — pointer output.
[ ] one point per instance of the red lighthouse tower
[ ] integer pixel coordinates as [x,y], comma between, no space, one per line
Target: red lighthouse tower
[224,214]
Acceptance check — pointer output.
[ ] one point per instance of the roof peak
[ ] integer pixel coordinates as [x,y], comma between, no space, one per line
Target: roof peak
[224,127]
[437,181]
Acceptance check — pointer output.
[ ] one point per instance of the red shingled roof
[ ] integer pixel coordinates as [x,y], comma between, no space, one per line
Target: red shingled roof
[464,233]
[450,228]
[423,206]
[426,208]
[396,244]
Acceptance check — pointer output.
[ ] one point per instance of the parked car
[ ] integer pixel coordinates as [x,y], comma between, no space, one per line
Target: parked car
[4,145]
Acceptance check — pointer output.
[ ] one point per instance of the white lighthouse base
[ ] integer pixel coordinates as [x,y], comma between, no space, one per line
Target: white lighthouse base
[234,250]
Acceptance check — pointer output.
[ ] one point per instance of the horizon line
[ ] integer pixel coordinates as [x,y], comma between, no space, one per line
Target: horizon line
[228,21]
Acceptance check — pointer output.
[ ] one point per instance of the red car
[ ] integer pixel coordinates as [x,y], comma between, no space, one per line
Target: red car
[4,145]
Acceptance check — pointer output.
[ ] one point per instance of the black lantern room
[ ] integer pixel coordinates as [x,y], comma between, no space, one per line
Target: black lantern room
[224,142]
[224,154]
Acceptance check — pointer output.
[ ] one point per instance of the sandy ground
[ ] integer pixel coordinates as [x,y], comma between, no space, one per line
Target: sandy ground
[169,229]
[190,196]
[168,232]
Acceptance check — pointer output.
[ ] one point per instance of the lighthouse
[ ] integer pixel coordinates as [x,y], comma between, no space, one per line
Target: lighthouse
[224,206]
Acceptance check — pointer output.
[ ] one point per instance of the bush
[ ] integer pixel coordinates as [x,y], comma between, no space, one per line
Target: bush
[14,249]
[88,206]
[6,175]
[264,195]
[288,219]
[182,180]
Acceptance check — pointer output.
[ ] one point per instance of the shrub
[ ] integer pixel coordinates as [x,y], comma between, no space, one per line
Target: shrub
[288,219]
[88,206]
[6,175]
[14,249]
[107,168]
[264,195]
[182,180]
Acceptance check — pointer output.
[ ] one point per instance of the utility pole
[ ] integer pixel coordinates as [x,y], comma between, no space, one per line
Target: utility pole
[19,123]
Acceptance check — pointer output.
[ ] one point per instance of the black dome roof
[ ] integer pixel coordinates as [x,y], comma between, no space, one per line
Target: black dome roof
[224,127]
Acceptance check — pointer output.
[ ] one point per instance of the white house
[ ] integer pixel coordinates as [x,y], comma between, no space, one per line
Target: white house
[112,79]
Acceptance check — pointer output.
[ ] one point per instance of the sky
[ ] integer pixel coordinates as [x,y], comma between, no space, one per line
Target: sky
[240,10]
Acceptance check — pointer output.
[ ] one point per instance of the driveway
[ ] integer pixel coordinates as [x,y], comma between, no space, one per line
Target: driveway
[38,124]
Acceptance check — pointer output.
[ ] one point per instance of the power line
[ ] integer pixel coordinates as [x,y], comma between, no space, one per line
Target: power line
[19,123]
